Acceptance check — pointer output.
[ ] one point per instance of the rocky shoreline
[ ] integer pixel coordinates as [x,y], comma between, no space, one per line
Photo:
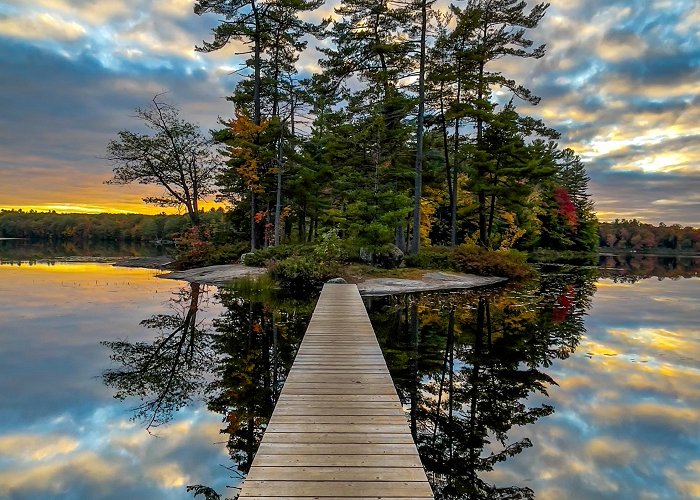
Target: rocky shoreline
[431,281]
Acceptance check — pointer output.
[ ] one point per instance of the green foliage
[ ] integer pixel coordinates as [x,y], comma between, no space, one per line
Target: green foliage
[432,258]
[299,272]
[329,249]
[507,263]
[265,256]
[93,227]
[474,259]
[196,248]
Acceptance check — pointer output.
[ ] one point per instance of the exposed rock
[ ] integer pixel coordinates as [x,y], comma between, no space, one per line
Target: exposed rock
[389,257]
[340,281]
[215,275]
[430,282]
[366,255]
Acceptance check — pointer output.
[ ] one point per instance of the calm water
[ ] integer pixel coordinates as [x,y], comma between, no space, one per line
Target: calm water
[583,384]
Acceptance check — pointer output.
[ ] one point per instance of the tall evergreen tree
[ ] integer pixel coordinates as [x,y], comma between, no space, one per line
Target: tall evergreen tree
[500,32]
[273,30]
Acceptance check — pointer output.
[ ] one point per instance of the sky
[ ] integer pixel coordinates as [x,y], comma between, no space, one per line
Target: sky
[620,81]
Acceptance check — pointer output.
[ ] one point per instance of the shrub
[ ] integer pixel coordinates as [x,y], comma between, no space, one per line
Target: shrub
[262,257]
[329,249]
[474,259]
[507,263]
[298,272]
[432,258]
[195,249]
[227,253]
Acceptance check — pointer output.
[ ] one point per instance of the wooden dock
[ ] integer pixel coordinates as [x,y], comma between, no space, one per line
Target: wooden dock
[338,430]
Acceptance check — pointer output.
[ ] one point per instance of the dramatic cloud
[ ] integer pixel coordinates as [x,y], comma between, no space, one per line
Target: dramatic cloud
[619,81]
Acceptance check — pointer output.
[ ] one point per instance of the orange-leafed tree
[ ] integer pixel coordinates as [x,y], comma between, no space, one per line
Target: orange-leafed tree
[250,151]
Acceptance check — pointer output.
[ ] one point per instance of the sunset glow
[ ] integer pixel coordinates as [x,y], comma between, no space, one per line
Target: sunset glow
[618,81]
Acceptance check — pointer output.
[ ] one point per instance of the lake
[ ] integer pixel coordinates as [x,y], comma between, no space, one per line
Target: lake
[584,383]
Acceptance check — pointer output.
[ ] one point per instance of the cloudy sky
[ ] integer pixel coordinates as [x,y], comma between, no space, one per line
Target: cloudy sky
[620,81]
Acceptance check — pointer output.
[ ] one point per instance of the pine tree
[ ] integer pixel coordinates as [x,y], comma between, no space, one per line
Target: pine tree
[500,32]
[274,32]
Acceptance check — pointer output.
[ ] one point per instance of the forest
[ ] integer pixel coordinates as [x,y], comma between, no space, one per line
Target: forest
[83,228]
[409,133]
[626,235]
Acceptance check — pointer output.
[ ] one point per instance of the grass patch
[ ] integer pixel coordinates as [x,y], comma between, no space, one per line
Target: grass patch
[259,288]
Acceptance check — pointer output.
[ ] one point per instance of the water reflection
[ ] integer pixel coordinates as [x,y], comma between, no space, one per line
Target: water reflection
[475,370]
[632,268]
[236,364]
[62,435]
[255,344]
[28,252]
[467,367]
[166,373]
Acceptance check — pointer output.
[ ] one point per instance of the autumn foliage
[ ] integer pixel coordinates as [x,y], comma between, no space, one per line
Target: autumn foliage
[245,134]
[567,209]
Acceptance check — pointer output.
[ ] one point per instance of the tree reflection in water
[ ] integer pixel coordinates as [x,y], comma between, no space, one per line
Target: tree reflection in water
[465,364]
[256,343]
[167,373]
[236,364]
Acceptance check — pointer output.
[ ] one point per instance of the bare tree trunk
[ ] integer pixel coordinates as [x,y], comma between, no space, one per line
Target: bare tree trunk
[483,237]
[418,189]
[256,112]
[252,221]
[399,238]
[455,161]
[492,209]
[278,201]
[446,152]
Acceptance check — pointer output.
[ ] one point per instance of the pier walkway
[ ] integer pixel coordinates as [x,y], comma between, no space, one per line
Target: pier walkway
[338,429]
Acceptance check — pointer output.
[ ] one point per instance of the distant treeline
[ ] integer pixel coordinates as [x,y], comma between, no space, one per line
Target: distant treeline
[624,234]
[94,227]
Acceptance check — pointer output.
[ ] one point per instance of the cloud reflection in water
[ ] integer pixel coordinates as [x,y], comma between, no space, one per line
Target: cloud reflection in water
[62,435]
[627,409]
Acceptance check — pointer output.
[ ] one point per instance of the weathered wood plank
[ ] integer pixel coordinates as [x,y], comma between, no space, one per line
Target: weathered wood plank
[399,489]
[341,397]
[386,461]
[336,438]
[335,473]
[296,428]
[344,378]
[338,429]
[340,405]
[336,449]
[395,419]
[355,389]
[296,411]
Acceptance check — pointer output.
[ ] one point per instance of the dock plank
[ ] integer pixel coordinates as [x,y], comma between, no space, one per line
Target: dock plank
[338,429]
[339,489]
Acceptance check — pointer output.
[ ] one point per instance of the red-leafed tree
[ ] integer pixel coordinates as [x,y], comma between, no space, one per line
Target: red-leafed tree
[567,209]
